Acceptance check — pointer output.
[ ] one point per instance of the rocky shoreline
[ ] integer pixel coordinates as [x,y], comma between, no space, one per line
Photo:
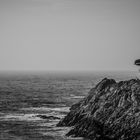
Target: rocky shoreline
[110,111]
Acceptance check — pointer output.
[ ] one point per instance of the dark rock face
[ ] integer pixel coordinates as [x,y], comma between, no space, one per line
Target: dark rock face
[111,111]
[47,117]
[137,62]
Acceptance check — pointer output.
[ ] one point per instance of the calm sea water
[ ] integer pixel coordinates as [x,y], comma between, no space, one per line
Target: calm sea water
[31,104]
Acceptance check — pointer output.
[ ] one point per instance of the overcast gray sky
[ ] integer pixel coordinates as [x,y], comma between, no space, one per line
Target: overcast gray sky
[69,34]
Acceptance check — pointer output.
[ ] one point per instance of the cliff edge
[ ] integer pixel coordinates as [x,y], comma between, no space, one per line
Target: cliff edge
[110,111]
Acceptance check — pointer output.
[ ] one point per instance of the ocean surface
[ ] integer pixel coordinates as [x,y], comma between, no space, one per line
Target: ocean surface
[31,104]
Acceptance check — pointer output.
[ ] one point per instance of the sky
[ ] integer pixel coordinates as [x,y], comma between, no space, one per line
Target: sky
[69,35]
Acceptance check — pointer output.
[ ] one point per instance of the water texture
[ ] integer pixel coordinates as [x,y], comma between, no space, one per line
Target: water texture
[31,104]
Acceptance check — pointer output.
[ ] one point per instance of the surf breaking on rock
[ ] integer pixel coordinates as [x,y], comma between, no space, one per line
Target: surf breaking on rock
[111,110]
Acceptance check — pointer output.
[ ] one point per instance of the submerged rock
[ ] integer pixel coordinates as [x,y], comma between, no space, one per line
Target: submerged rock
[47,117]
[111,110]
[137,62]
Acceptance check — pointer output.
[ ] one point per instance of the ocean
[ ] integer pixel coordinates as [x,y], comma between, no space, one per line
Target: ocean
[31,104]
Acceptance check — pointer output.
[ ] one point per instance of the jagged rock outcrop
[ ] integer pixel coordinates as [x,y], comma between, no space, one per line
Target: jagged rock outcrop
[110,111]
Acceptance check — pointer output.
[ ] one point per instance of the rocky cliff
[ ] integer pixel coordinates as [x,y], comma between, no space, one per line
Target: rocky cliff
[110,111]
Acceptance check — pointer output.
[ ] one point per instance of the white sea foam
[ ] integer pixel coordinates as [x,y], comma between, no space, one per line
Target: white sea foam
[77,97]
[56,112]
[20,117]
[47,109]
[29,117]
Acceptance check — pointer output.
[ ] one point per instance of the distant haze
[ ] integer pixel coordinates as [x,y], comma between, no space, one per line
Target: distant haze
[69,35]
